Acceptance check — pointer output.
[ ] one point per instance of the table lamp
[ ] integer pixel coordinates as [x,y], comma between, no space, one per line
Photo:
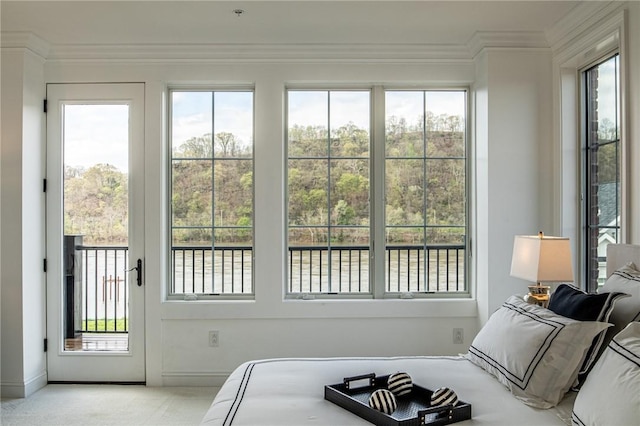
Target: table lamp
[541,259]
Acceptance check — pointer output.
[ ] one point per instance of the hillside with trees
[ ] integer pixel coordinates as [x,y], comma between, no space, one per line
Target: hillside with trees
[328,183]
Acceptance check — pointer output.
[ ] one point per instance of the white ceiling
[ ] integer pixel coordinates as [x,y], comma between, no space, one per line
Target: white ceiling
[301,22]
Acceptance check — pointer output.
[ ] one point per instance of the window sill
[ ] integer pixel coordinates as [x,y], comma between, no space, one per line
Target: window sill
[320,308]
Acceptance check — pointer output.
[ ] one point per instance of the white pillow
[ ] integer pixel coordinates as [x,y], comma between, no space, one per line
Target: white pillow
[534,352]
[624,280]
[611,393]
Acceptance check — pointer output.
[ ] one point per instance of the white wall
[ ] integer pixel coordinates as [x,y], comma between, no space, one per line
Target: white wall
[187,359]
[33,214]
[513,142]
[22,223]
[480,196]
[11,221]
[633,73]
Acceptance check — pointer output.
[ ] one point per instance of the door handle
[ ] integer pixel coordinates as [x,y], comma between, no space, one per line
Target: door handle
[138,270]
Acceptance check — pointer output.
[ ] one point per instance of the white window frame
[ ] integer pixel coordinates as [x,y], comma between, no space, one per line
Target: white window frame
[606,35]
[377,278]
[591,283]
[339,295]
[172,295]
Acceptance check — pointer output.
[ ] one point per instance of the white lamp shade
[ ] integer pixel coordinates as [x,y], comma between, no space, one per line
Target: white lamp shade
[542,259]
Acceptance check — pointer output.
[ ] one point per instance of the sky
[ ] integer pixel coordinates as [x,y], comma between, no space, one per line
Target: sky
[98,133]
[607,79]
[197,113]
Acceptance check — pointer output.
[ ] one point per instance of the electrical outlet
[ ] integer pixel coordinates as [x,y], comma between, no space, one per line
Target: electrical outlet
[458,336]
[214,338]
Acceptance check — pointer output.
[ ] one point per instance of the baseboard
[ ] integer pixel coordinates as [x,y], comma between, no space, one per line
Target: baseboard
[23,389]
[194,378]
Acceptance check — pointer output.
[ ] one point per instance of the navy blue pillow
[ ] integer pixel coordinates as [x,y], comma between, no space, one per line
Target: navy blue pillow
[573,303]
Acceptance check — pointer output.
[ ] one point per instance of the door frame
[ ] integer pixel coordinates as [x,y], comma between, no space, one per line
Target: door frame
[95,366]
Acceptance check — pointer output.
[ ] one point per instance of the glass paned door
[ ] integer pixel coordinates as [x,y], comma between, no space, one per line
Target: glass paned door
[95,240]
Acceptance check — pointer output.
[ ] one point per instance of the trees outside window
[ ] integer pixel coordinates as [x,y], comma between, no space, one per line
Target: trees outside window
[328,141]
[211,192]
[331,201]
[425,191]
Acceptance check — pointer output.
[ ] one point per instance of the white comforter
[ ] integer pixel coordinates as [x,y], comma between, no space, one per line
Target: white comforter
[291,392]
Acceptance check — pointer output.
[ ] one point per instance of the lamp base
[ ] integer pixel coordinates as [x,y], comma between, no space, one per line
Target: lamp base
[538,295]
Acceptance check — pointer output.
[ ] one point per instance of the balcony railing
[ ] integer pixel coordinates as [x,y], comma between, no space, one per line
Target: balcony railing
[105,284]
[193,269]
[436,269]
[408,268]
[104,288]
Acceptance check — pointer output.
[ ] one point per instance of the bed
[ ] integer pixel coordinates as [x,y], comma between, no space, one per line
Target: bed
[575,368]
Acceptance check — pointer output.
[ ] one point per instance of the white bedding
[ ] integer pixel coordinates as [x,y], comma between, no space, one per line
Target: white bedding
[291,392]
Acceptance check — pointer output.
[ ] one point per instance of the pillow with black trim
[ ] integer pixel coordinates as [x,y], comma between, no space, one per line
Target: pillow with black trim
[574,303]
[611,393]
[533,351]
[625,280]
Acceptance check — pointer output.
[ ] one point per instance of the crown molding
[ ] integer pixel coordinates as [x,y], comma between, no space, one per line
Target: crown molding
[262,52]
[580,21]
[289,52]
[506,39]
[25,40]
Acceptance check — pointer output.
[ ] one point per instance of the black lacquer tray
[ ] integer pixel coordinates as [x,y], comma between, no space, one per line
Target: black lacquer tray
[413,409]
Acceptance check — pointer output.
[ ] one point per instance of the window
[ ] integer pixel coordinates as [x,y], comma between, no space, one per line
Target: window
[602,166]
[211,189]
[425,191]
[331,194]
[328,191]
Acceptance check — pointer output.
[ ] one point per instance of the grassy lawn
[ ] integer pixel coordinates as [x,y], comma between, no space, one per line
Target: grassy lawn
[108,325]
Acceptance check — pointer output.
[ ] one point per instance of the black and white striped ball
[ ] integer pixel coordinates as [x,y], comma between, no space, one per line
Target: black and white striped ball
[443,396]
[383,400]
[400,384]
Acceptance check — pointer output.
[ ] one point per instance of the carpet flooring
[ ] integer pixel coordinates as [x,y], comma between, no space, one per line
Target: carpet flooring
[116,405]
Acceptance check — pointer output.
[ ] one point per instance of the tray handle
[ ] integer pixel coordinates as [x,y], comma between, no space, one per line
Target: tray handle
[371,376]
[444,414]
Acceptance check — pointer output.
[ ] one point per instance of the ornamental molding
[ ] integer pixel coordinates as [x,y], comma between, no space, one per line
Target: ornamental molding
[264,53]
[25,40]
[482,40]
[578,26]
[290,52]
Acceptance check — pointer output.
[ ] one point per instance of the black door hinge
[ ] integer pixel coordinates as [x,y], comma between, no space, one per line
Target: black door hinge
[44,265]
[45,344]
[45,106]
[44,185]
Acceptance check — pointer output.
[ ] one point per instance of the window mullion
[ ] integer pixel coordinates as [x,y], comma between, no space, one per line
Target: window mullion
[424,192]
[213,199]
[329,227]
[377,172]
